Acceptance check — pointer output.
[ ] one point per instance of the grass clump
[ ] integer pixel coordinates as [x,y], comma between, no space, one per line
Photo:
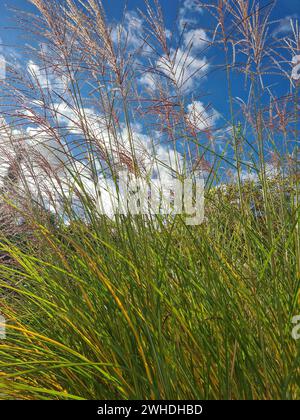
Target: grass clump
[135,307]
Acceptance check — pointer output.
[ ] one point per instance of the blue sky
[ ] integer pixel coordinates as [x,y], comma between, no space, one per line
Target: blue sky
[210,90]
[114,10]
[13,41]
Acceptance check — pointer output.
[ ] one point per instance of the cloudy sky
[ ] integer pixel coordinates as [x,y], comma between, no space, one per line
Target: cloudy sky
[176,13]
[207,103]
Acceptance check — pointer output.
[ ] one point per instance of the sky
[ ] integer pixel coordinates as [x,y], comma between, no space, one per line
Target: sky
[207,88]
[12,41]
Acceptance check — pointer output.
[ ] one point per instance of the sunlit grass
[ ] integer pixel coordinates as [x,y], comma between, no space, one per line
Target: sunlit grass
[135,307]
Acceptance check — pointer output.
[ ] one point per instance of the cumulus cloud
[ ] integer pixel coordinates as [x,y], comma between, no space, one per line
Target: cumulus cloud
[187,12]
[47,79]
[31,163]
[148,81]
[9,56]
[2,67]
[44,166]
[184,68]
[249,174]
[285,25]
[196,38]
[201,117]
[131,31]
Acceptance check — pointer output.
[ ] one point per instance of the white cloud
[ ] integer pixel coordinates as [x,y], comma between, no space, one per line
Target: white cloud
[2,67]
[201,117]
[197,38]
[192,5]
[249,174]
[131,31]
[38,74]
[184,68]
[187,13]
[285,25]
[47,79]
[148,80]
[45,165]
[168,33]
